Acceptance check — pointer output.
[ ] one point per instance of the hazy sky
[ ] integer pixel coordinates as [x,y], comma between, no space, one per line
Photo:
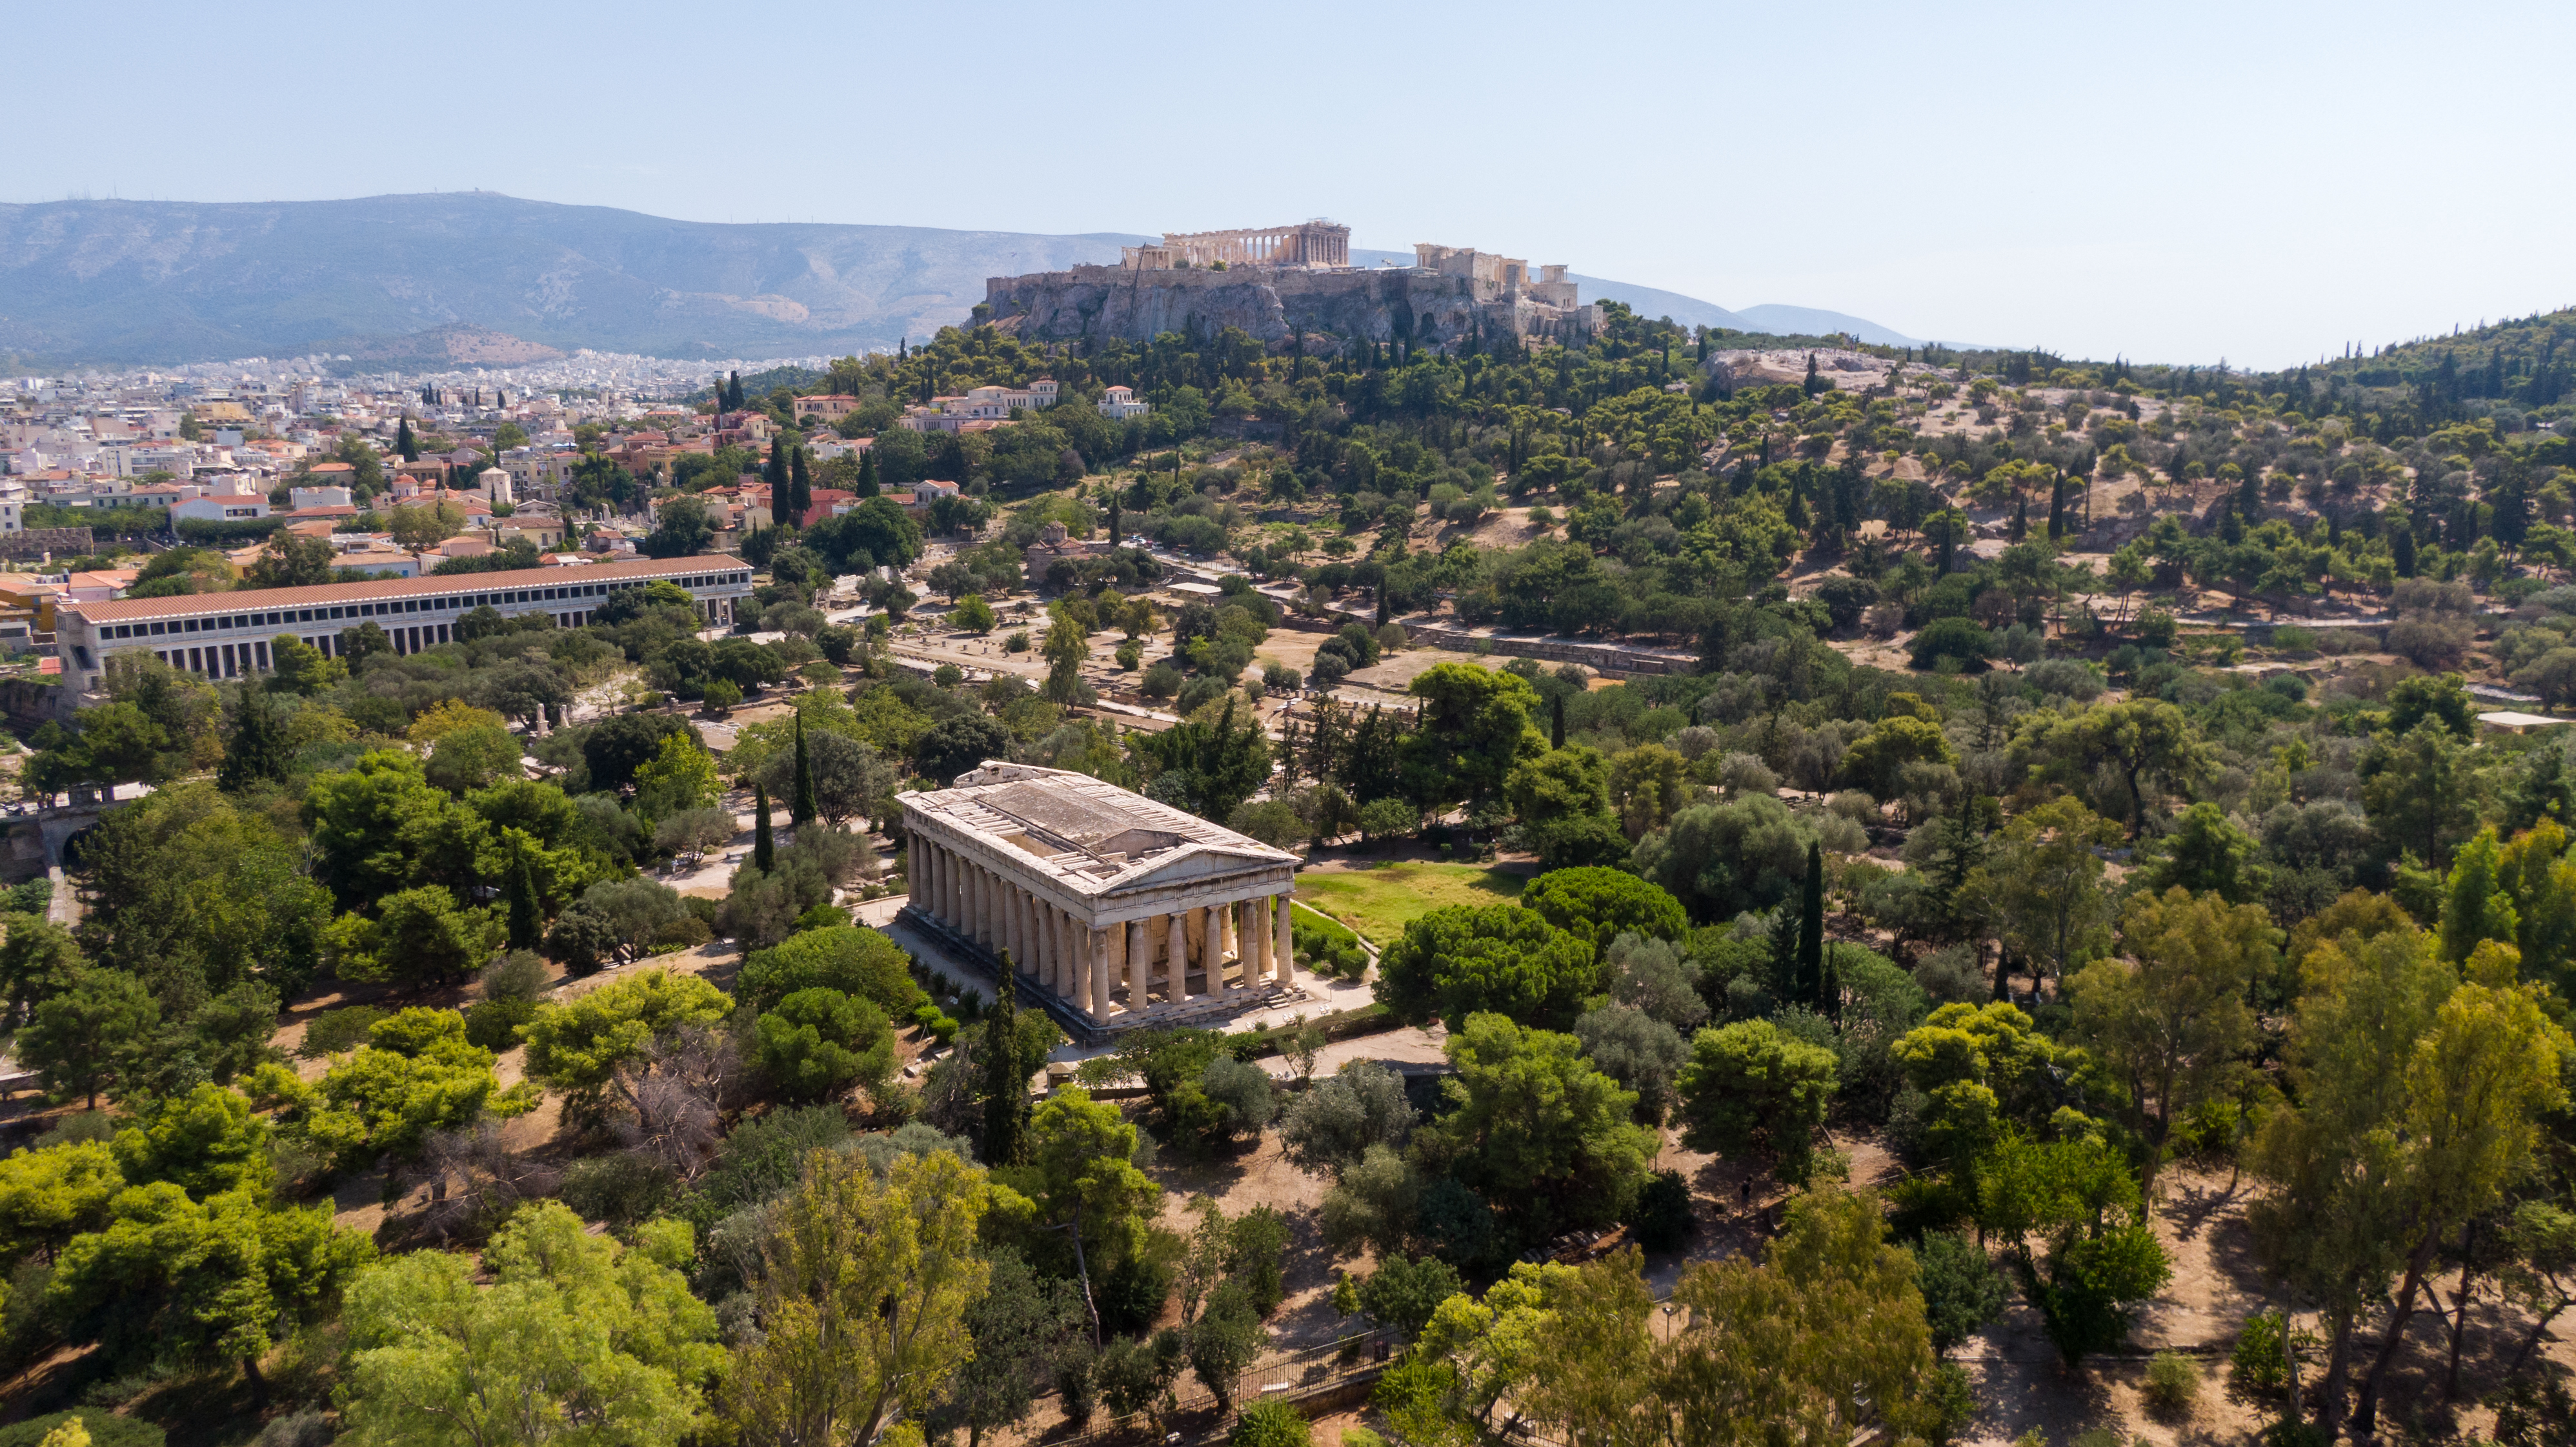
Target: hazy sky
[2176,181]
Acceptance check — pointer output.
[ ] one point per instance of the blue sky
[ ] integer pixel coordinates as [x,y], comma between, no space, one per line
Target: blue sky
[2178,181]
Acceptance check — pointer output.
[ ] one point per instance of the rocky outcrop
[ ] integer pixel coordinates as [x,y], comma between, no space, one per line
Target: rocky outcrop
[1333,309]
[1851,371]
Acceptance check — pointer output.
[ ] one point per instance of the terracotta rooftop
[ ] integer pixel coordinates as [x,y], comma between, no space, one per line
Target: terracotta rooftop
[247,599]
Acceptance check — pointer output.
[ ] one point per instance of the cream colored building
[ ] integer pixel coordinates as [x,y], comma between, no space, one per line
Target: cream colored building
[1121,912]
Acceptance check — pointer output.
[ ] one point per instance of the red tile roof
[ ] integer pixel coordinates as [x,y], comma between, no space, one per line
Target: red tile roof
[246,599]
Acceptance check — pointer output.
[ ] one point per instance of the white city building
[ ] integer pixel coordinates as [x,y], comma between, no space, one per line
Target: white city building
[227,635]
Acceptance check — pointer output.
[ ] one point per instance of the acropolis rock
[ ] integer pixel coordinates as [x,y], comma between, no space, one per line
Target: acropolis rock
[1280,282]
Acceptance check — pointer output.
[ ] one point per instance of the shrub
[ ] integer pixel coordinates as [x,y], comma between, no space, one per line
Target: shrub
[494,1024]
[1160,681]
[105,1429]
[1271,1424]
[1130,653]
[2260,1365]
[620,1188]
[1327,948]
[1662,1218]
[333,1031]
[819,1040]
[2173,1382]
[853,961]
[1958,638]
[518,975]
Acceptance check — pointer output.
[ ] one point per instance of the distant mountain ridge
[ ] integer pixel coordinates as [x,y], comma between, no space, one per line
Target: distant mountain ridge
[478,278]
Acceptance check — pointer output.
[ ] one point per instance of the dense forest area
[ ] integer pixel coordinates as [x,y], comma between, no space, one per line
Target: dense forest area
[2067,810]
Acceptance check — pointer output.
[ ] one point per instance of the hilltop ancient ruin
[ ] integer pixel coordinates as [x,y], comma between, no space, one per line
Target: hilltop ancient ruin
[1291,286]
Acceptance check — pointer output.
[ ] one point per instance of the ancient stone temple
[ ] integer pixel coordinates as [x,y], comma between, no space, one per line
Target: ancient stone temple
[1309,243]
[1117,911]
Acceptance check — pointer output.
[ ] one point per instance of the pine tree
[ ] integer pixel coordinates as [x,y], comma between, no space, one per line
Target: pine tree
[257,751]
[1811,929]
[526,915]
[1006,1087]
[803,809]
[764,848]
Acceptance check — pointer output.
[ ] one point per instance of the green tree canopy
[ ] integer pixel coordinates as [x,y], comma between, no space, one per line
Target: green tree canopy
[1461,959]
[1603,904]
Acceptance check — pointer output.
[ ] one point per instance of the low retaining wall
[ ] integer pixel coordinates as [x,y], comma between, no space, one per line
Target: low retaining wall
[1603,657]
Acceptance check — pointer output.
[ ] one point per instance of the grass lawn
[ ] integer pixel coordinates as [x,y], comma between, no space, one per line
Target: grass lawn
[1380,902]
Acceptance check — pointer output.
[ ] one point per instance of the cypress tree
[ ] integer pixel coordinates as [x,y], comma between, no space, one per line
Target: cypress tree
[527,918]
[257,750]
[1556,724]
[1784,955]
[1006,1090]
[1811,929]
[867,483]
[2249,498]
[1113,521]
[404,443]
[764,849]
[2021,516]
[774,473]
[800,485]
[2057,508]
[802,811]
[2402,545]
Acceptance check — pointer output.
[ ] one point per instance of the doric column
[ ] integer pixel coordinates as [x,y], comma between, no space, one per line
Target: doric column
[929,875]
[1283,960]
[988,915]
[988,908]
[1023,925]
[1258,967]
[1139,962]
[1177,948]
[1068,960]
[979,904]
[1247,942]
[1095,978]
[1055,963]
[1069,957]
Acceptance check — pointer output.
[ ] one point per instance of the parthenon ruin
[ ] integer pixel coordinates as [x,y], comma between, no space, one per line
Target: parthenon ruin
[1309,243]
[1118,911]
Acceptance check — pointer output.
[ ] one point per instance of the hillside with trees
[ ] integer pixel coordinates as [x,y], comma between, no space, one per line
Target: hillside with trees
[2029,928]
